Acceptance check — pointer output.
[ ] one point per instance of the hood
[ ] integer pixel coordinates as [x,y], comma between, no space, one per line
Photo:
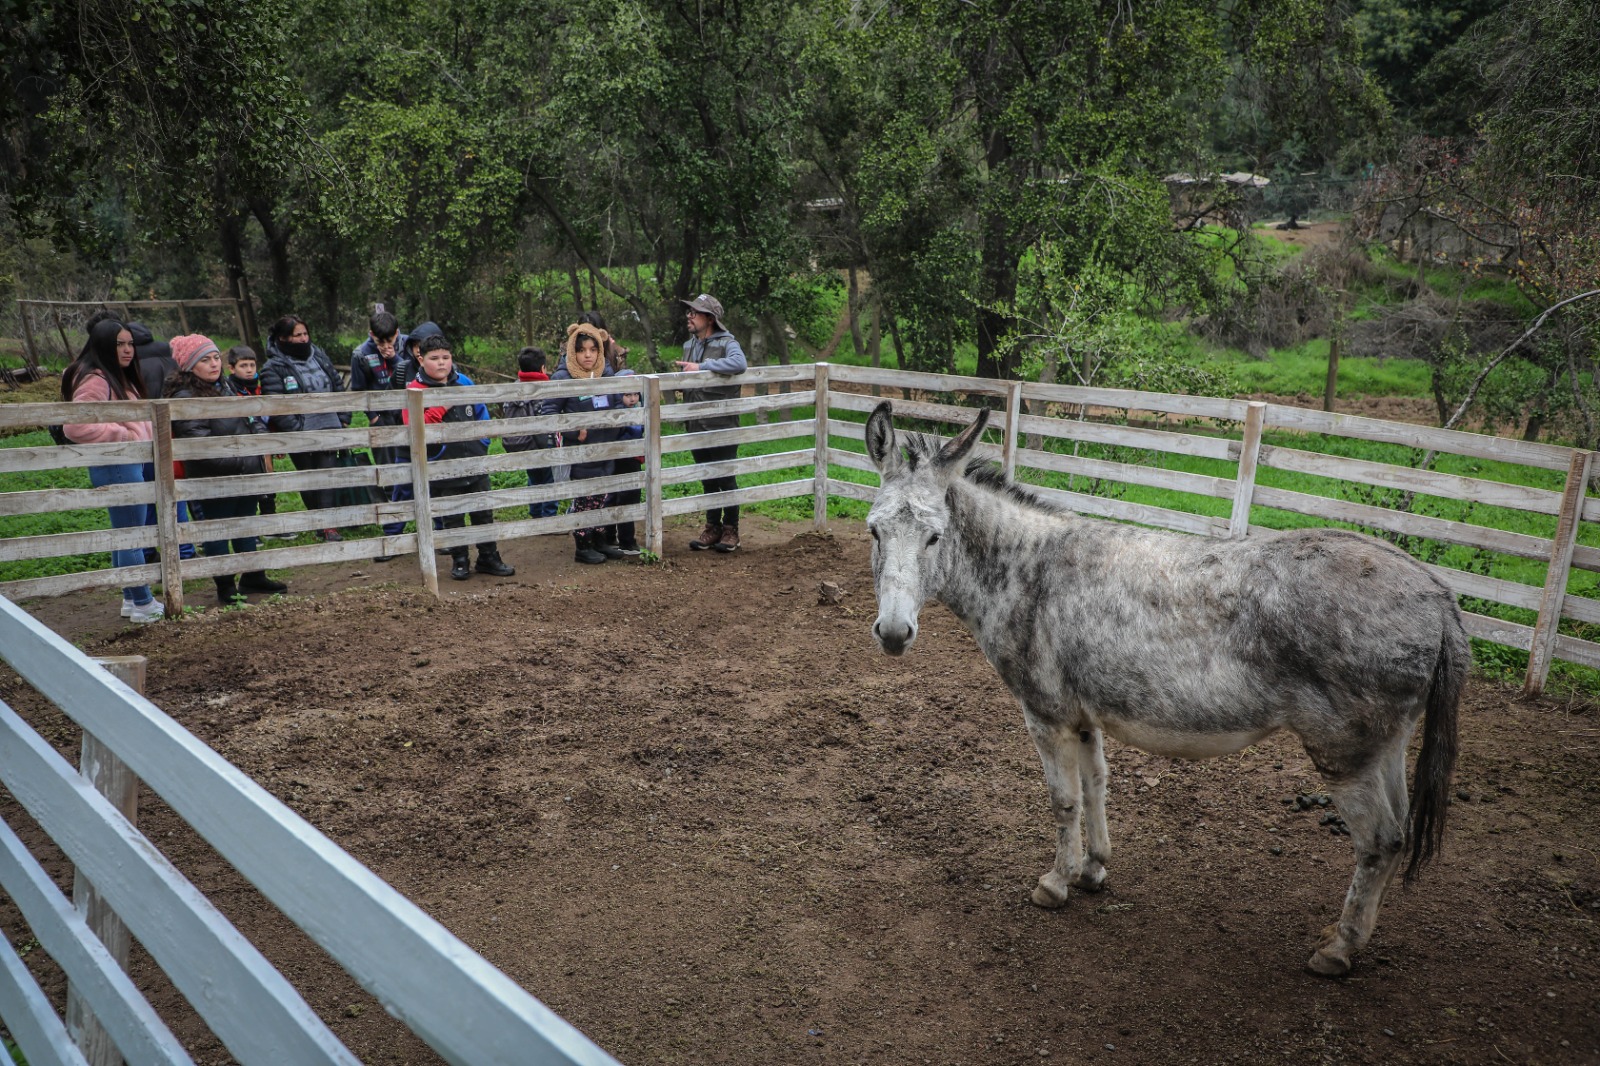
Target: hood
[583,329]
[140,333]
[423,331]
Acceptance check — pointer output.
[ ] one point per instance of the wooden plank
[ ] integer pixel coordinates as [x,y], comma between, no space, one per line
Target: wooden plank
[1411,479]
[1578,608]
[848,430]
[336,477]
[312,440]
[1502,449]
[655,518]
[422,498]
[47,501]
[782,490]
[360,514]
[907,379]
[1510,634]
[748,464]
[819,462]
[453,999]
[523,495]
[246,1003]
[1008,450]
[1157,440]
[1574,650]
[55,545]
[167,512]
[1464,583]
[72,456]
[1519,544]
[1585,558]
[1134,400]
[61,584]
[936,412]
[717,438]
[535,527]
[110,777]
[1249,449]
[1555,583]
[685,412]
[279,403]
[1123,510]
[341,551]
[95,975]
[1128,473]
[66,412]
[852,491]
[29,1017]
[851,460]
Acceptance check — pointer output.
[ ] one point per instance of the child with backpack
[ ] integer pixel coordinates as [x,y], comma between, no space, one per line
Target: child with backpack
[530,367]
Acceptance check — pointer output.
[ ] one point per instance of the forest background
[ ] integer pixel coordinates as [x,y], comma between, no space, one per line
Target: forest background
[999,187]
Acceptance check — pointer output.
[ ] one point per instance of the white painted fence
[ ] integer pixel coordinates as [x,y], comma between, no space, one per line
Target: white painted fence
[464,1008]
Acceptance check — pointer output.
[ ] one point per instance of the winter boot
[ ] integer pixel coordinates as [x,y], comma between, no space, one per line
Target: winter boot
[258,581]
[228,592]
[489,562]
[708,538]
[729,541]
[460,564]
[586,552]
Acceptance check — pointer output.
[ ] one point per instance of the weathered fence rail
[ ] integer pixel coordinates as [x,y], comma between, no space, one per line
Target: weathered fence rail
[1041,433]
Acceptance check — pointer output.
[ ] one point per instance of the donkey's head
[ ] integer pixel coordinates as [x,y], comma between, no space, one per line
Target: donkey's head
[909,520]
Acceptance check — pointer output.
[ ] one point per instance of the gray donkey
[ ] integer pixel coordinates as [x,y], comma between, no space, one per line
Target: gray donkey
[1183,647]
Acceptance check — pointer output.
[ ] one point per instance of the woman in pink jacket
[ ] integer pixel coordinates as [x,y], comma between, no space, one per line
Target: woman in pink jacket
[105,370]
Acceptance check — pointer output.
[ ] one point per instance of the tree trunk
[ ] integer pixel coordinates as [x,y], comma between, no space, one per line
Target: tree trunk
[999,267]
[577,290]
[875,335]
[853,310]
[277,251]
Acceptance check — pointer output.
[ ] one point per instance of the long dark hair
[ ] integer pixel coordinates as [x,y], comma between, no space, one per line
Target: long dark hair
[100,354]
[180,380]
[282,328]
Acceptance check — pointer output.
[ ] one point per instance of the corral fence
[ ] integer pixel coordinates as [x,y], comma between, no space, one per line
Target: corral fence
[459,1004]
[1208,466]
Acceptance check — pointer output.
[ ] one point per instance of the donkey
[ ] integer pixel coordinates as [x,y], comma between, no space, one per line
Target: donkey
[1183,647]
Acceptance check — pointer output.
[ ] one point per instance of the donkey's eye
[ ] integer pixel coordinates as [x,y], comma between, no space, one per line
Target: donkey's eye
[933,538]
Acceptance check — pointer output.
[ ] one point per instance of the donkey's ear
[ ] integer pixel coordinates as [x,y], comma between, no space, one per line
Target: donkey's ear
[956,448]
[881,447]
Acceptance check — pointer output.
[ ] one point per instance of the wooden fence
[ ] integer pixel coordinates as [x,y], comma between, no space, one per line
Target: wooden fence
[1041,430]
[459,1004]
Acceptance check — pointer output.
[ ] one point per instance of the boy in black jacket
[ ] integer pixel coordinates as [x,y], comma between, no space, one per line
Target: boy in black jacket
[436,370]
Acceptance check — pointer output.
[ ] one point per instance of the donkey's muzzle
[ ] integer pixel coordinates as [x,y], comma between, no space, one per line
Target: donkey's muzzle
[894,637]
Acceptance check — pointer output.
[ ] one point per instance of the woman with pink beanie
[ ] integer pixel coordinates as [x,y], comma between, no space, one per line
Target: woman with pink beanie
[104,370]
[200,374]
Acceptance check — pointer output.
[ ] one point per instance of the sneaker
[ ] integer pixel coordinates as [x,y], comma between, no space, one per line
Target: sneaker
[144,614]
[628,549]
[729,541]
[460,570]
[384,558]
[127,608]
[708,537]
[331,535]
[588,556]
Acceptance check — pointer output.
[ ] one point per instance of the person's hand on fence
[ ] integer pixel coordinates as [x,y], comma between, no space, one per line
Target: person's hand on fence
[687,366]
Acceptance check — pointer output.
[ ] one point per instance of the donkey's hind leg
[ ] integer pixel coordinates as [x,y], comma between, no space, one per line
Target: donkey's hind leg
[1372,802]
[1092,771]
[1059,751]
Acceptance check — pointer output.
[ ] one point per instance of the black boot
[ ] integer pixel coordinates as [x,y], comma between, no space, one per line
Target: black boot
[460,565]
[489,562]
[586,552]
[227,591]
[258,581]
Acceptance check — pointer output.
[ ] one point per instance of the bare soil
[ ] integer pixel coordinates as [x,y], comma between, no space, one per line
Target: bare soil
[693,809]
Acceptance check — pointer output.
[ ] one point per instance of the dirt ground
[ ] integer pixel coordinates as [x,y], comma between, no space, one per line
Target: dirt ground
[697,813]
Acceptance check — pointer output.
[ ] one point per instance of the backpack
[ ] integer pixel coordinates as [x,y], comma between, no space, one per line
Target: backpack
[521,442]
[58,434]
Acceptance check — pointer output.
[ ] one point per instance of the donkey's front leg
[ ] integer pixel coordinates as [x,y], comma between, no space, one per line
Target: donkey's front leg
[1092,771]
[1059,751]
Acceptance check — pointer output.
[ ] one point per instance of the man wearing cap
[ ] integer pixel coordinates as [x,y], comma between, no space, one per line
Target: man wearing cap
[711,348]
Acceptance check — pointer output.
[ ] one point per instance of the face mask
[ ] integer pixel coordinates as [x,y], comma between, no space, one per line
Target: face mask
[296,350]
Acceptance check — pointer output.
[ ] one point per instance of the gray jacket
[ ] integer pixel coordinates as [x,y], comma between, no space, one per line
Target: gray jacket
[719,353]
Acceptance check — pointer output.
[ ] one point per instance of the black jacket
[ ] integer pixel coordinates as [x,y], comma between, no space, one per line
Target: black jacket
[222,426]
[280,377]
[571,405]
[154,359]
[405,367]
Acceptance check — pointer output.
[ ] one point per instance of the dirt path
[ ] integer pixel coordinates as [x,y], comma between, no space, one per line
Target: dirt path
[696,812]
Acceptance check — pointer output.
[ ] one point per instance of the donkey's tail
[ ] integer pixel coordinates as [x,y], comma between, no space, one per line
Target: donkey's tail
[1430,784]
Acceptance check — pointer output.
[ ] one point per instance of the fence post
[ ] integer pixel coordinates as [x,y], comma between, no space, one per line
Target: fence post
[1249,450]
[419,490]
[655,513]
[167,509]
[1008,447]
[819,474]
[110,777]
[1545,631]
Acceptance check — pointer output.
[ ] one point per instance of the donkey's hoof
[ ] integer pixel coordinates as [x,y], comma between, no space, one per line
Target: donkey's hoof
[1091,879]
[1332,957]
[1051,892]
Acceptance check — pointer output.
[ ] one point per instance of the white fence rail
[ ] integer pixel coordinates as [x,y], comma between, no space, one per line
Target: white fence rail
[463,1007]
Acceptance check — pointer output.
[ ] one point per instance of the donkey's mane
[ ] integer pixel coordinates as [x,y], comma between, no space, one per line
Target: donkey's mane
[924,448]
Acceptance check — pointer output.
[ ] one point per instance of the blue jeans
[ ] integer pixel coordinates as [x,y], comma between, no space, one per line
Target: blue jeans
[125,516]
[185,551]
[542,475]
